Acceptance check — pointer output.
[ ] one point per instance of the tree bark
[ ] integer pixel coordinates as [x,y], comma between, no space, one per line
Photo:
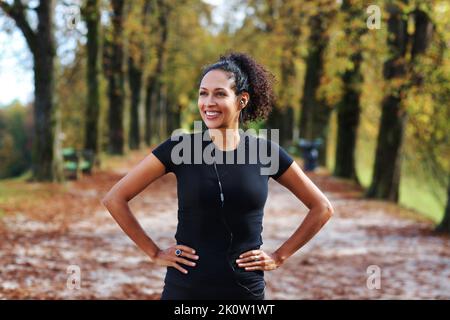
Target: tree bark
[46,163]
[348,112]
[156,116]
[136,76]
[289,32]
[386,177]
[150,89]
[315,114]
[92,18]
[116,81]
[349,109]
[135,81]
[386,174]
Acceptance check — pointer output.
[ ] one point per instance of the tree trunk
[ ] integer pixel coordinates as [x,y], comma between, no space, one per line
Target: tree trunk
[46,158]
[92,17]
[150,88]
[289,32]
[315,114]
[156,110]
[386,177]
[444,226]
[137,62]
[116,85]
[286,112]
[282,118]
[46,166]
[314,70]
[162,52]
[165,110]
[135,80]
[321,119]
[348,109]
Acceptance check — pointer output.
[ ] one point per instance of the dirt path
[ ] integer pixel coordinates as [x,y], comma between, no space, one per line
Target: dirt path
[68,226]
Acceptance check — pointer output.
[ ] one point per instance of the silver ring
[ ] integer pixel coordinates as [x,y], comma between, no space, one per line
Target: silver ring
[256,258]
[178,252]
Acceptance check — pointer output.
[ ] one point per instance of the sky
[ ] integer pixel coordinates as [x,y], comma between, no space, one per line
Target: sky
[16,76]
[16,67]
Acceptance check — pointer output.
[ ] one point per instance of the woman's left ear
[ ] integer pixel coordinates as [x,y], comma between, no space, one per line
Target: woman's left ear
[243,102]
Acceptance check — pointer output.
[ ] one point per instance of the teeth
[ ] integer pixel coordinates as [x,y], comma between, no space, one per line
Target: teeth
[212,113]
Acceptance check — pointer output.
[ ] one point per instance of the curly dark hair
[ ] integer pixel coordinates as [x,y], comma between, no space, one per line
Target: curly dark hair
[251,77]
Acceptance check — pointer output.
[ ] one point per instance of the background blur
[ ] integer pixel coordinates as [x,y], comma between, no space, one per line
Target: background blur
[87,88]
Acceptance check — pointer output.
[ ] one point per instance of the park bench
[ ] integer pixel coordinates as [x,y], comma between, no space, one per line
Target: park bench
[77,162]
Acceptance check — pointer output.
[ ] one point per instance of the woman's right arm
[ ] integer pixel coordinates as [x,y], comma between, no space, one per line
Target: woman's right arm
[116,201]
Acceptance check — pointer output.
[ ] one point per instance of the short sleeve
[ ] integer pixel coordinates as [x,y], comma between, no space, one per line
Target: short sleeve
[284,160]
[163,153]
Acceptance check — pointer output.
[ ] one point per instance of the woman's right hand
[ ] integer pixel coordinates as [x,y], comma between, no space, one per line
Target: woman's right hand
[168,257]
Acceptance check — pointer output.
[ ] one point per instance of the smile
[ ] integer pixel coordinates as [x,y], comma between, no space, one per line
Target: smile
[212,114]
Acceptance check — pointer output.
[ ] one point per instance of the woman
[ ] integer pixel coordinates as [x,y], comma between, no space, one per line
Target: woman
[221,203]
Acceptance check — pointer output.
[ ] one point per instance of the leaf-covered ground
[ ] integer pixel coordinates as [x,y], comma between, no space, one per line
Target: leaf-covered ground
[46,228]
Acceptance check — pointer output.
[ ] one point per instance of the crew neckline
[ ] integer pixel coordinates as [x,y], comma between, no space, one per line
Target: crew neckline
[241,137]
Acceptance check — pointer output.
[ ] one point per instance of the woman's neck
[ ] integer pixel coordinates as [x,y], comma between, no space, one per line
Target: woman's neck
[225,139]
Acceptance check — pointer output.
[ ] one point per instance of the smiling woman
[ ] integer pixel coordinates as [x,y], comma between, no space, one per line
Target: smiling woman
[218,251]
[236,77]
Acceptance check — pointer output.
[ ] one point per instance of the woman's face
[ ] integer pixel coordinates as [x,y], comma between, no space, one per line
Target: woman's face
[217,101]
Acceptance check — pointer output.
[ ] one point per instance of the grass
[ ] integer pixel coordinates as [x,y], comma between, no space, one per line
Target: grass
[415,193]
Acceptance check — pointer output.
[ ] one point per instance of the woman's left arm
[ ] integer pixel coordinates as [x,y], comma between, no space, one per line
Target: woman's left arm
[320,210]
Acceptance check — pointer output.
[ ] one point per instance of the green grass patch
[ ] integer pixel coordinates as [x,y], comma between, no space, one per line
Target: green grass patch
[415,193]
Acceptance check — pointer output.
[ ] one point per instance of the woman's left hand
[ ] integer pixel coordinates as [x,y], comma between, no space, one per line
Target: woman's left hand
[258,260]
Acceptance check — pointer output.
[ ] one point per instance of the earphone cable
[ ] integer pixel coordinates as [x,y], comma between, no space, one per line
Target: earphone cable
[222,200]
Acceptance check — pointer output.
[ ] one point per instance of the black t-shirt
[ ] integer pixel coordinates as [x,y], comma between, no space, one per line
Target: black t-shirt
[220,234]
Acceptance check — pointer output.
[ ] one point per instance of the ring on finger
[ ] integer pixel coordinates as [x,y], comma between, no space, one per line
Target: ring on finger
[178,252]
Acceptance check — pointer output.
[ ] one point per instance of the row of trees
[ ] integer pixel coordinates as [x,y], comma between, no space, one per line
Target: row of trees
[340,55]
[137,68]
[128,51]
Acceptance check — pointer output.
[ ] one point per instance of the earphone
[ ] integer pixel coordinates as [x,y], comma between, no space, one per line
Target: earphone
[242,107]
[222,202]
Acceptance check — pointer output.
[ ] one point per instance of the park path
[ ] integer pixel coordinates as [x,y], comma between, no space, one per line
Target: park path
[67,226]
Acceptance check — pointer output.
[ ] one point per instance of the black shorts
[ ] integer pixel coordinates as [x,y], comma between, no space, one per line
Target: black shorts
[234,292]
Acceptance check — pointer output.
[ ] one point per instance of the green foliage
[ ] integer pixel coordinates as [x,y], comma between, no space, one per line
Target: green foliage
[15,140]
[71,94]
